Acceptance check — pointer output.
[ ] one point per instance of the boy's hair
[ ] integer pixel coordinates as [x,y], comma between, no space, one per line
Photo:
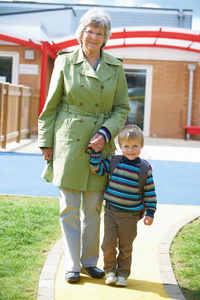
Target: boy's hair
[131,131]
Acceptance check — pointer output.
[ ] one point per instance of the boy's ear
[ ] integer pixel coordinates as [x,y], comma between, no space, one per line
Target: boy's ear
[142,146]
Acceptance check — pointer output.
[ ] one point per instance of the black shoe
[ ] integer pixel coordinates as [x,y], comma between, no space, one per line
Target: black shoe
[72,277]
[93,272]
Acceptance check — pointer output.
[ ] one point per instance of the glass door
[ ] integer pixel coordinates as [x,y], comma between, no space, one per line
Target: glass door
[136,80]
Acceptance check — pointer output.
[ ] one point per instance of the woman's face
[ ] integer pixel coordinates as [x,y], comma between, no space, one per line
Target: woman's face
[93,38]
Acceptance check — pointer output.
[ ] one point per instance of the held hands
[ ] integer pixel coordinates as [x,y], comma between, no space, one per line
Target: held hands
[148,220]
[97,142]
[47,153]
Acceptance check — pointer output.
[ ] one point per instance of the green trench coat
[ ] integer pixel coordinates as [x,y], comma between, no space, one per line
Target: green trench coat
[79,103]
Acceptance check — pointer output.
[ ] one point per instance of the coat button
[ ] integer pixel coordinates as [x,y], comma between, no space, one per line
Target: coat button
[81,103]
[81,84]
[80,120]
[77,139]
[102,86]
[97,105]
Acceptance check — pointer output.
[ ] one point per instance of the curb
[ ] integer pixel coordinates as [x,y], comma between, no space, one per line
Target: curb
[164,261]
[46,286]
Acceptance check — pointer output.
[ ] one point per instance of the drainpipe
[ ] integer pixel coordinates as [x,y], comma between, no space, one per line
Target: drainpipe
[180,16]
[191,68]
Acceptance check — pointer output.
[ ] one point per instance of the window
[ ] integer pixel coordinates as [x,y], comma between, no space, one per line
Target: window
[6,69]
[9,66]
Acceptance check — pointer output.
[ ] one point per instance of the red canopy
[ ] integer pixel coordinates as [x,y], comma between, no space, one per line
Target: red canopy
[167,37]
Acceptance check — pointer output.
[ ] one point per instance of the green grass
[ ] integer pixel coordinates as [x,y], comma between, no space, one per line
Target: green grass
[185,257]
[29,229]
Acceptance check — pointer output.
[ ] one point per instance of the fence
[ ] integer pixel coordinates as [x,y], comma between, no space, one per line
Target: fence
[18,112]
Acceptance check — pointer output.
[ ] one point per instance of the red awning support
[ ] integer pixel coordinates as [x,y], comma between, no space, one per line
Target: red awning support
[44,51]
[23,42]
[187,40]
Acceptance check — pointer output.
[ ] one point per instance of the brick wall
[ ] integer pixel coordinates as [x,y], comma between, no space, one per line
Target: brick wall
[170,97]
[169,92]
[25,79]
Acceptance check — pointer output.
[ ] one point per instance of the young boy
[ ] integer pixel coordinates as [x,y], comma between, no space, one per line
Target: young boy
[123,204]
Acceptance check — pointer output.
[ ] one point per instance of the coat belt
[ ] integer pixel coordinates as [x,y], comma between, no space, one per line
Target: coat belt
[76,110]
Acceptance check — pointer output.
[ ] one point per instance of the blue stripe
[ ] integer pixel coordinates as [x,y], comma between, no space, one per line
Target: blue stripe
[95,161]
[123,195]
[150,193]
[139,207]
[121,189]
[106,166]
[151,205]
[128,169]
[131,182]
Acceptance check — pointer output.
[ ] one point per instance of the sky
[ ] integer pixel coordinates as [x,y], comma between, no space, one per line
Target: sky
[174,4]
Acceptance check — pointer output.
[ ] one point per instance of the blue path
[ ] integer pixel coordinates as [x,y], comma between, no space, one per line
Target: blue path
[176,182]
[20,174]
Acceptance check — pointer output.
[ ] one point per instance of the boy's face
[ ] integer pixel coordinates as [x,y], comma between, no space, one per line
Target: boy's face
[131,148]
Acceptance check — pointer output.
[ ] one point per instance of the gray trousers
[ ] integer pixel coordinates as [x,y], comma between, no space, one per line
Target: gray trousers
[80,230]
[120,230]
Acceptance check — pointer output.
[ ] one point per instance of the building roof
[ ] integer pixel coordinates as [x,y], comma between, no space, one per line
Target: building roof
[60,20]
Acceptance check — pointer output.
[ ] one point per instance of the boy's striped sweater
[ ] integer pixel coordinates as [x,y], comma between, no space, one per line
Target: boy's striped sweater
[123,188]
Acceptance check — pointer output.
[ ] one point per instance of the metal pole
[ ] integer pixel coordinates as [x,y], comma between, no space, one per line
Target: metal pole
[180,15]
[191,68]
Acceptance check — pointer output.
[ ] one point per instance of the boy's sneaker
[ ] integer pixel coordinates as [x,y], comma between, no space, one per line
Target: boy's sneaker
[121,281]
[111,278]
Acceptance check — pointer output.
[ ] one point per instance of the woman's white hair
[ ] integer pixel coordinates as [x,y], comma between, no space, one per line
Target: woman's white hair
[97,17]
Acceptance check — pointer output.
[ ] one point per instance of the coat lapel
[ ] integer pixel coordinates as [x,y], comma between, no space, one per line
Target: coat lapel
[104,70]
[86,70]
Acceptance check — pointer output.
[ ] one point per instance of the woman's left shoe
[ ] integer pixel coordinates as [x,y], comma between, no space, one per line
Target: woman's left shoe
[72,277]
[93,272]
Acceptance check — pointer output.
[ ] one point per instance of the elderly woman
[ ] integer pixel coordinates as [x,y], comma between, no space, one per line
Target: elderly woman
[86,106]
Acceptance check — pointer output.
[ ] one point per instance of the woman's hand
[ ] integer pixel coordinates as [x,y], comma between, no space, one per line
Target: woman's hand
[47,153]
[97,142]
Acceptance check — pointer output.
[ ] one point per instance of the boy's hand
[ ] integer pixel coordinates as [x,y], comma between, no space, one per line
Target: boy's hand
[148,220]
